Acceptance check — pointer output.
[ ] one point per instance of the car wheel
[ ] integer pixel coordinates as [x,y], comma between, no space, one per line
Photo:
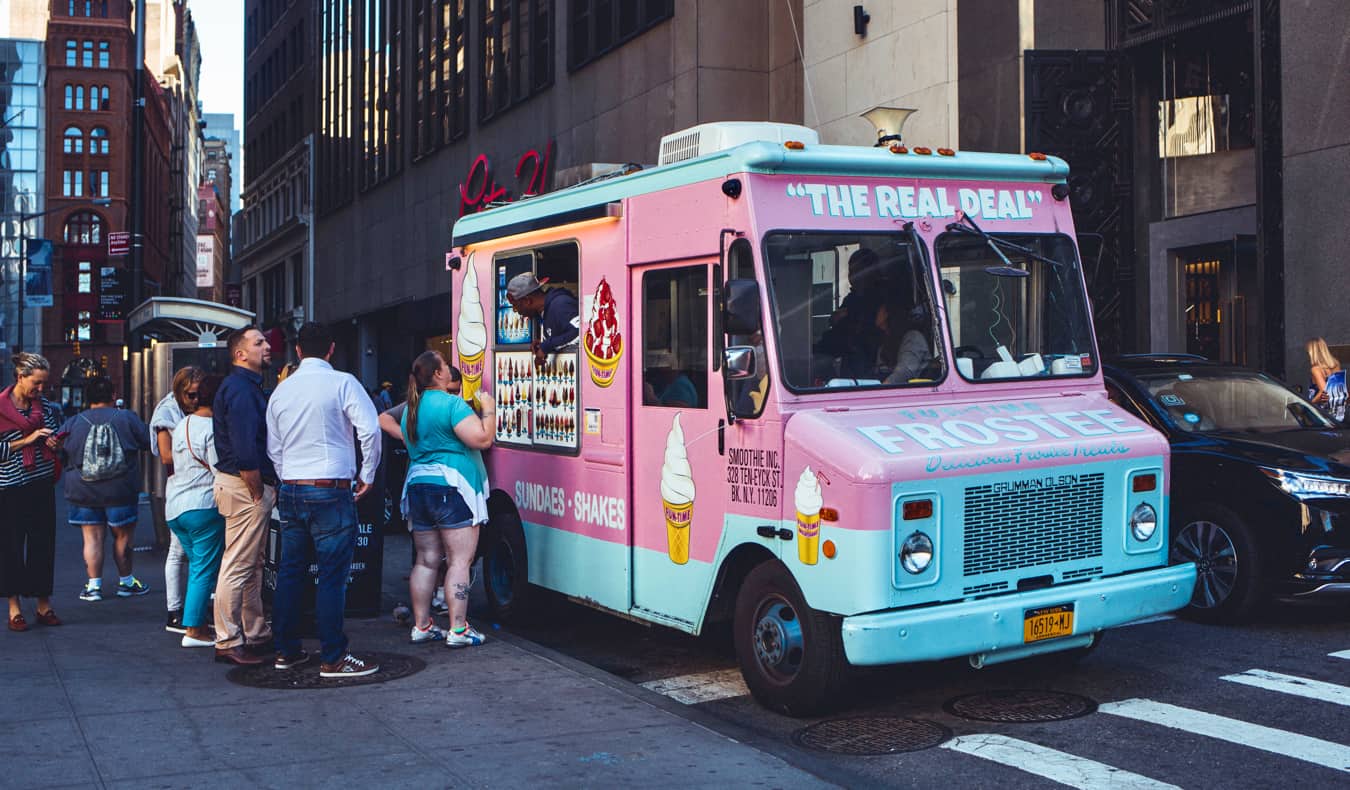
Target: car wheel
[506,568]
[1227,560]
[791,656]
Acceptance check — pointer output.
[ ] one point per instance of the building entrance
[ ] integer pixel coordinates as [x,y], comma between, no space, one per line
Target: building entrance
[1219,290]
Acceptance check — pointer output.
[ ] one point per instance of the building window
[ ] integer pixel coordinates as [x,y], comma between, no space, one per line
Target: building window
[515,49]
[440,79]
[87,50]
[382,91]
[75,97]
[98,140]
[71,52]
[98,98]
[85,227]
[104,55]
[72,183]
[73,140]
[84,328]
[98,183]
[601,26]
[337,121]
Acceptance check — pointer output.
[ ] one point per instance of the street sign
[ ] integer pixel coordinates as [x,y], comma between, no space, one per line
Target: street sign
[119,243]
[112,294]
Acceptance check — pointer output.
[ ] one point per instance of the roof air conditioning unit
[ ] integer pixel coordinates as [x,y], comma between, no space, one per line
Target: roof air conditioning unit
[709,138]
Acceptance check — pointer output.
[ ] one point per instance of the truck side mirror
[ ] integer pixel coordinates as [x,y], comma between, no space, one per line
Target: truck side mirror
[739,362]
[742,314]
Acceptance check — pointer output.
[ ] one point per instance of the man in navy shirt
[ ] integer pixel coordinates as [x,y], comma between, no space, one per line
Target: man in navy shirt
[245,494]
[555,310]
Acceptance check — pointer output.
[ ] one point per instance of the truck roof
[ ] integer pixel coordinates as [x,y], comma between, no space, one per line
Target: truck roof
[591,200]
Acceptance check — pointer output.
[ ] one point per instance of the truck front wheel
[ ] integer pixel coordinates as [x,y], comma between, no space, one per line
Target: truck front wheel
[792,657]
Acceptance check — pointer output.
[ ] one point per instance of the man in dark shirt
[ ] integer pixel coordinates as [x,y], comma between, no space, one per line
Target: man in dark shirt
[245,494]
[555,310]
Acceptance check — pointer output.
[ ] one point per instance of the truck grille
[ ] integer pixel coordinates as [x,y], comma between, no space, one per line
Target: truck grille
[1029,523]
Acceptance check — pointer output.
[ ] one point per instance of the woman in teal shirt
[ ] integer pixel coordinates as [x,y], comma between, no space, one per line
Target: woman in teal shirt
[445,496]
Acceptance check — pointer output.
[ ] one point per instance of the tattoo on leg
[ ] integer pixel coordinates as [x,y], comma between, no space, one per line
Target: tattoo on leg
[461,592]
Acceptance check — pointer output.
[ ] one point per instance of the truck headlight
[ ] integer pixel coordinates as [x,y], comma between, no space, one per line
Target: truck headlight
[917,553]
[1301,486]
[1143,522]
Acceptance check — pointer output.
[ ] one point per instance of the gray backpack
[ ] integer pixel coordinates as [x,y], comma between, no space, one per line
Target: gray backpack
[103,456]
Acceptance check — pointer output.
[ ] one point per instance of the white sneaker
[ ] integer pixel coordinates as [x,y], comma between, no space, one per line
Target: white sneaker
[430,634]
[469,638]
[349,666]
[191,642]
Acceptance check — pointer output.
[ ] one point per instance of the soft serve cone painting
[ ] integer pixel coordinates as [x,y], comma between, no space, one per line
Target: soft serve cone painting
[677,494]
[471,334]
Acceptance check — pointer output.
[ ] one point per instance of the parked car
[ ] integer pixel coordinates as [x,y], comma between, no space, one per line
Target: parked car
[1260,495]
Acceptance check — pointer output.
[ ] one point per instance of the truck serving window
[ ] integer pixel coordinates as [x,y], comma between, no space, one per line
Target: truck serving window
[1015,305]
[675,338]
[852,310]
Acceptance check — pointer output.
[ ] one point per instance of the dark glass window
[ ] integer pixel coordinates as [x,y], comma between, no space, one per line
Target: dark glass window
[382,91]
[439,82]
[675,338]
[516,46]
[85,227]
[601,26]
[337,116]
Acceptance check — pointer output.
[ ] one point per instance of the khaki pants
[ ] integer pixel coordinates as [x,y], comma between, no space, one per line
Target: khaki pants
[239,610]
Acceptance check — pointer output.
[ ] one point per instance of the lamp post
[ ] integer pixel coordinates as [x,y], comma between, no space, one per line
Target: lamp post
[24,219]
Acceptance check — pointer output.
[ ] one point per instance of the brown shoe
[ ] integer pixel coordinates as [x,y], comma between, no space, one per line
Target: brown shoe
[48,618]
[349,666]
[17,623]
[237,655]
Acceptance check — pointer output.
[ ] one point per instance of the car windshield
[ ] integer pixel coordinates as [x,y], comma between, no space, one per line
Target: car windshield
[1016,305]
[852,310]
[1231,401]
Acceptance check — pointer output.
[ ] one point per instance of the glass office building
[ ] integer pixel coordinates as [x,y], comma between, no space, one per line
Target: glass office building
[22,131]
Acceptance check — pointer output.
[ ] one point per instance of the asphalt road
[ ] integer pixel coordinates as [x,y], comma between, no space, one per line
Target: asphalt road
[1177,704]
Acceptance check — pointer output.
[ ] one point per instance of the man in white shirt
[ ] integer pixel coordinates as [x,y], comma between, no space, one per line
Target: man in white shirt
[310,421]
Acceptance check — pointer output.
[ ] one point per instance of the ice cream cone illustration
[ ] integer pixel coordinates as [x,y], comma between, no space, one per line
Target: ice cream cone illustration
[471,339]
[677,494]
[603,343]
[808,502]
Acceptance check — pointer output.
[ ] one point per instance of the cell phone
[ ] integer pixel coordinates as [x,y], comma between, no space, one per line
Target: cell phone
[60,436]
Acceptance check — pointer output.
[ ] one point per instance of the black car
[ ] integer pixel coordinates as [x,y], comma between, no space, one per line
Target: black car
[1260,485]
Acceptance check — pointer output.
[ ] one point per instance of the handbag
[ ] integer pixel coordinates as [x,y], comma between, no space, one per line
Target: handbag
[187,436]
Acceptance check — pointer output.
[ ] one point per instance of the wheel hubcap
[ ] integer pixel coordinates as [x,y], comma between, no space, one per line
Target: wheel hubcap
[1211,548]
[778,639]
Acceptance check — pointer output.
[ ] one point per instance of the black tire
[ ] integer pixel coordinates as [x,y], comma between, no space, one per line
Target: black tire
[791,656]
[1230,568]
[506,567]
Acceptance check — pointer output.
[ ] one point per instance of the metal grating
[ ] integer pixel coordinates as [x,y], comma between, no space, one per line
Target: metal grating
[977,589]
[1081,573]
[871,735]
[680,148]
[392,667]
[1021,706]
[1027,523]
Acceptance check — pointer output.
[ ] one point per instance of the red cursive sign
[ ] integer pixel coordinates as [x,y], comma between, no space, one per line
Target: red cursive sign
[480,189]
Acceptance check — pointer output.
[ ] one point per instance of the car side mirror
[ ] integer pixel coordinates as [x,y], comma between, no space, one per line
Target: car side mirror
[742,313]
[739,362]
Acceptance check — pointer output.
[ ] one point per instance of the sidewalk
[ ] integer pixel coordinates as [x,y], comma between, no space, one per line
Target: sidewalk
[111,700]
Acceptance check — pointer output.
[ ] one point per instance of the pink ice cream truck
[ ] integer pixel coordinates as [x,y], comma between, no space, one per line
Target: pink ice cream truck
[847,398]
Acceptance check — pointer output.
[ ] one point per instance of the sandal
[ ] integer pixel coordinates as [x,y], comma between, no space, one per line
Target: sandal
[48,618]
[17,623]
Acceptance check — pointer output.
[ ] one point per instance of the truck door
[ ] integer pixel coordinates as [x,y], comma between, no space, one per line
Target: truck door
[678,471]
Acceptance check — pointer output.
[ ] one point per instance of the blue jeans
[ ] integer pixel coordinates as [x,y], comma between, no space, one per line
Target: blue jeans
[202,534]
[326,516]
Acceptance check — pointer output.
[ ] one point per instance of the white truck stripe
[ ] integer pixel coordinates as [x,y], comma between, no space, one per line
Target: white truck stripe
[1056,766]
[702,687]
[1292,684]
[1289,744]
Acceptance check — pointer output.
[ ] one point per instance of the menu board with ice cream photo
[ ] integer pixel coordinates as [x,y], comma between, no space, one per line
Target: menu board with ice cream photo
[514,393]
[512,327]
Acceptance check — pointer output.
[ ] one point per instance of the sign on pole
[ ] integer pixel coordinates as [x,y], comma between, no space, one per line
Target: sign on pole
[119,243]
[38,278]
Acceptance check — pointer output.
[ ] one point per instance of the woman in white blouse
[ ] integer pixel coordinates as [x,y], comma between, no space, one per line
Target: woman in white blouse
[190,509]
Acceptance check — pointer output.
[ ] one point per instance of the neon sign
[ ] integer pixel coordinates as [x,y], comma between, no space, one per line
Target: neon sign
[480,188]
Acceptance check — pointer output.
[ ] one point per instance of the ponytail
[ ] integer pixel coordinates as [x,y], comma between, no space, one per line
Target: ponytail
[424,369]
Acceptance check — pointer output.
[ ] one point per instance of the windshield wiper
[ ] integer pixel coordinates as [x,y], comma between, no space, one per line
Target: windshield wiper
[995,243]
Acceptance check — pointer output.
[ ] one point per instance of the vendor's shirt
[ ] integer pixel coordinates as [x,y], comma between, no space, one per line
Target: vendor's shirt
[560,325]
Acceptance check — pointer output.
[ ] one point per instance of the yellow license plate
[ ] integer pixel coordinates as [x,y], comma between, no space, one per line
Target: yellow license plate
[1047,622]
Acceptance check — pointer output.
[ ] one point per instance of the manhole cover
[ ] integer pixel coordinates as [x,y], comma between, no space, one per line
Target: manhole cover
[868,735]
[1021,706]
[392,667]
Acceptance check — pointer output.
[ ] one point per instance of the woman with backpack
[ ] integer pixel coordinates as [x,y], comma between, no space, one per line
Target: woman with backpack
[190,509]
[102,484]
[29,463]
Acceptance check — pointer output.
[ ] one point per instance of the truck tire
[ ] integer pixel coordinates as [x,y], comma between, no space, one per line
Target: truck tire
[791,656]
[1230,572]
[506,568]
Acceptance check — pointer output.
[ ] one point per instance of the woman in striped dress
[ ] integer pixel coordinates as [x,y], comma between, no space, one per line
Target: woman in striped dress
[29,448]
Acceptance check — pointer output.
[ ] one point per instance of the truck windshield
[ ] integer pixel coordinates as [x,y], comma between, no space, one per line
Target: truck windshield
[1016,306]
[852,310]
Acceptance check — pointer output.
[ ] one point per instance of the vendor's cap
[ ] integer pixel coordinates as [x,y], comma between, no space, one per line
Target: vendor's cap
[522,285]
[384,385]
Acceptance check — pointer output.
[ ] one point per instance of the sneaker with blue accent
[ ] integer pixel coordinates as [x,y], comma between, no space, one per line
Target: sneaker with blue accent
[469,637]
[136,587]
[430,634]
[91,593]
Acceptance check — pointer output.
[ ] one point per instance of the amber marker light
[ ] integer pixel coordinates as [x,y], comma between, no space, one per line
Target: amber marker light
[829,514]
[1143,483]
[827,548]
[923,150]
[794,145]
[917,509]
[946,152]
[899,149]
[1038,156]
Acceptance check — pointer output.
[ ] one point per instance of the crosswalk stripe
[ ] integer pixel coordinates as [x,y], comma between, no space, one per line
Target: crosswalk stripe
[1056,766]
[1291,684]
[1341,654]
[702,687]
[1269,739]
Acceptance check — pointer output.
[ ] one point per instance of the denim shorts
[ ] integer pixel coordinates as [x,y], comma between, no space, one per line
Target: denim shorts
[436,507]
[112,515]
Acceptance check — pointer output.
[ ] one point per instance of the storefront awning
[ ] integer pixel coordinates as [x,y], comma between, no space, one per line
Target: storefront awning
[171,319]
